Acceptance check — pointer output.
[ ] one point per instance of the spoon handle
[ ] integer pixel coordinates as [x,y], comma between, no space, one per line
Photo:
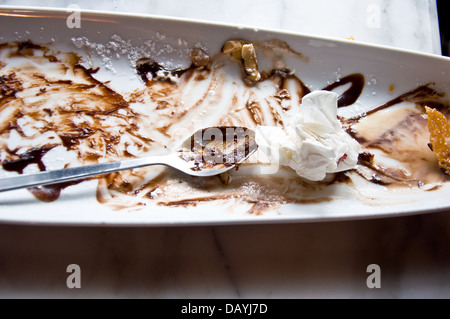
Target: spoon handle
[76,173]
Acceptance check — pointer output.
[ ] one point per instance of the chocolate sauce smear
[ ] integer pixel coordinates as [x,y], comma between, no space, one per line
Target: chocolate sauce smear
[9,86]
[50,193]
[147,66]
[351,95]
[33,156]
[49,99]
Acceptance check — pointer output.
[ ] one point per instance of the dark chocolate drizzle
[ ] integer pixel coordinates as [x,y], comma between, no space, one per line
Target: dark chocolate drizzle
[145,66]
[51,193]
[422,95]
[33,156]
[351,95]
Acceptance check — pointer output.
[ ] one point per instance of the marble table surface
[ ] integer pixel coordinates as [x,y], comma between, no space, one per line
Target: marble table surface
[299,260]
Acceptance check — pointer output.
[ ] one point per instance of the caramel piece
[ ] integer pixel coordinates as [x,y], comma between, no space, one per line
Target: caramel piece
[234,48]
[246,53]
[250,62]
[439,128]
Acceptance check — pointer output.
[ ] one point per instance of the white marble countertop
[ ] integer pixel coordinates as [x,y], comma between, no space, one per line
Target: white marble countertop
[306,260]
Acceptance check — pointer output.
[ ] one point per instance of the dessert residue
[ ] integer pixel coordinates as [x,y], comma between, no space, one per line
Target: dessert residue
[51,105]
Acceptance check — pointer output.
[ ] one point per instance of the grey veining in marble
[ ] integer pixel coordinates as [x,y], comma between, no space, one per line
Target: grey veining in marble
[308,260]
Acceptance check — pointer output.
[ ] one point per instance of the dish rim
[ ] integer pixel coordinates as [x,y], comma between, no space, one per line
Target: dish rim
[227,25]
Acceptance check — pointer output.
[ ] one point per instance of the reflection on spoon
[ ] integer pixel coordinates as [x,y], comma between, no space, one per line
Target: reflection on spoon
[208,152]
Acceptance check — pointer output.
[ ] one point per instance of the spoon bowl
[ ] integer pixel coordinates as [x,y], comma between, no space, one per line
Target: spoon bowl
[208,152]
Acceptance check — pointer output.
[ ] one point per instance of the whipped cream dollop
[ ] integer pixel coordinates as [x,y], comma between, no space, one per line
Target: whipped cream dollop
[313,143]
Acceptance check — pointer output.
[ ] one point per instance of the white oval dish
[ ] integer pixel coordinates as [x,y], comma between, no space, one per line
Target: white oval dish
[329,59]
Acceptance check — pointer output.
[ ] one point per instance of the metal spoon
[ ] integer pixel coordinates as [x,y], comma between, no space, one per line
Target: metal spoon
[208,152]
